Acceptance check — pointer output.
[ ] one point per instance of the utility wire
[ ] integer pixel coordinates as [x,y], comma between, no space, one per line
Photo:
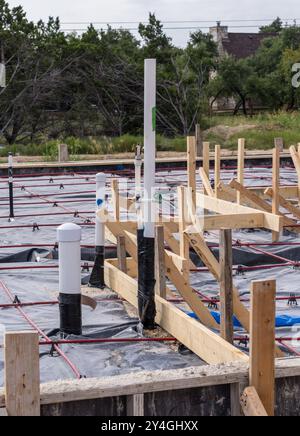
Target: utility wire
[165,28]
[176,22]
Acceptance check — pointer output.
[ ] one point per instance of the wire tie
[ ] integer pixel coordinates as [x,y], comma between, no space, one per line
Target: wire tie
[16,300]
[35,227]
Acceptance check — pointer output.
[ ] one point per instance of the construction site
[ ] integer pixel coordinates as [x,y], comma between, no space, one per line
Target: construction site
[152,287]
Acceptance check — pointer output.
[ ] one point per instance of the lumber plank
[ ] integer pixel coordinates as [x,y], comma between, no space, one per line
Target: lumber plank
[262,342]
[202,341]
[286,204]
[115,199]
[160,270]
[226,285]
[200,247]
[205,161]
[22,373]
[191,165]
[296,160]
[174,244]
[271,221]
[206,183]
[251,403]
[232,221]
[240,165]
[258,202]
[275,187]
[121,253]
[226,193]
[187,293]
[217,168]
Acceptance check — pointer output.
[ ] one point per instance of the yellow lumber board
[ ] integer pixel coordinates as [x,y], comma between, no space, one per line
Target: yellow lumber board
[207,345]
[271,221]
[262,342]
[251,403]
[206,183]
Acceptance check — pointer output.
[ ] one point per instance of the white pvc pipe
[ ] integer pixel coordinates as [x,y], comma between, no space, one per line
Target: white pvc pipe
[149,146]
[100,201]
[69,237]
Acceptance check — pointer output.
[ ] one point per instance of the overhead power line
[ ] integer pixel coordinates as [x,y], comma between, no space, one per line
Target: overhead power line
[165,28]
[176,22]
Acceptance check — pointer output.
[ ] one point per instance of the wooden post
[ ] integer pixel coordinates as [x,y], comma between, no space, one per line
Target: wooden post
[262,342]
[278,142]
[295,154]
[275,187]
[183,243]
[160,270]
[22,374]
[199,142]
[206,159]
[226,285]
[217,168]
[115,199]
[121,253]
[63,153]
[191,166]
[241,166]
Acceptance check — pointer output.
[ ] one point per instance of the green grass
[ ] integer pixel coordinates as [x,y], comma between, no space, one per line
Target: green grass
[266,127]
[223,130]
[100,145]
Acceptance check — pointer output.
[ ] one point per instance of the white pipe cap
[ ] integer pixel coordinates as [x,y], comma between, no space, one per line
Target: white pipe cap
[69,232]
[101,177]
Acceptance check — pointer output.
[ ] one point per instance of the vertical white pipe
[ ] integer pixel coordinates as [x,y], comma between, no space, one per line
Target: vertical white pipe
[138,186]
[100,201]
[149,145]
[69,237]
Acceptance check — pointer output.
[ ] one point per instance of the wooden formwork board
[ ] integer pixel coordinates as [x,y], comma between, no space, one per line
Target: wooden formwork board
[202,341]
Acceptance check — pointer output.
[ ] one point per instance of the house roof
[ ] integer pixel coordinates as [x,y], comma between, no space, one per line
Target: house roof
[243,45]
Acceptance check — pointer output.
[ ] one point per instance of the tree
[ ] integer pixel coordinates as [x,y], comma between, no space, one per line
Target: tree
[233,80]
[275,27]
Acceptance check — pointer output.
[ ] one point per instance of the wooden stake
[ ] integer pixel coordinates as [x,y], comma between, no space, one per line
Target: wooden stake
[275,186]
[184,245]
[278,142]
[217,168]
[241,166]
[22,374]
[226,285]
[199,142]
[262,342]
[206,159]
[115,199]
[295,154]
[121,252]
[191,166]
[251,403]
[160,270]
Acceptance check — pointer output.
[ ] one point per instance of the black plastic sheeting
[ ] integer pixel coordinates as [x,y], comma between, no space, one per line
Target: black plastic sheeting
[110,319]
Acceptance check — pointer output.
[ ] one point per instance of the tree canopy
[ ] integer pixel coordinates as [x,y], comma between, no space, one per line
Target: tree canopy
[67,84]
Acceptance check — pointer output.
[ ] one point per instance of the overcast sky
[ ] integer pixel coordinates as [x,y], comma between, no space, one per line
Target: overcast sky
[166,10]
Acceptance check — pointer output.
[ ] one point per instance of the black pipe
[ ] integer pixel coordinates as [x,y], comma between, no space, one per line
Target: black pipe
[97,276]
[70,314]
[10,187]
[146,280]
